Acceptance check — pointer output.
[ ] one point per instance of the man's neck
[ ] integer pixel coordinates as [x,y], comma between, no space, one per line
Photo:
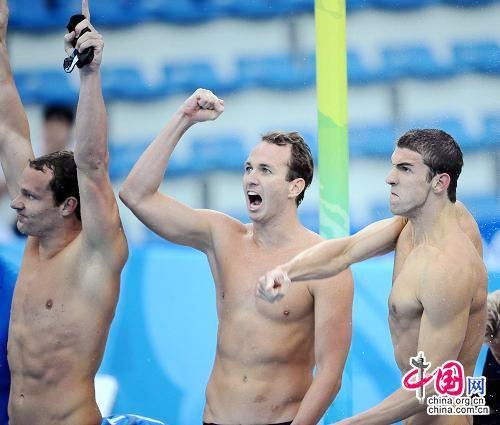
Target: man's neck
[432,221]
[54,242]
[279,231]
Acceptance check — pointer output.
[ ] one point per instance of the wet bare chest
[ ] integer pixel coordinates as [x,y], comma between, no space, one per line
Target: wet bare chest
[44,303]
[237,285]
[405,308]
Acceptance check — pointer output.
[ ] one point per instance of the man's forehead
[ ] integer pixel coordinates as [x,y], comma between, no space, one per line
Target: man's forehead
[403,155]
[37,179]
[270,153]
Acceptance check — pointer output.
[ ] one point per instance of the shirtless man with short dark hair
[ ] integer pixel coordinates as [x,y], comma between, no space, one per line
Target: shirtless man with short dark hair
[263,370]
[438,299]
[68,285]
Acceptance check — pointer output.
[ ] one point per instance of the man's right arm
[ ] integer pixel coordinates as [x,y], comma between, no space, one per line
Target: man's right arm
[15,146]
[330,257]
[140,192]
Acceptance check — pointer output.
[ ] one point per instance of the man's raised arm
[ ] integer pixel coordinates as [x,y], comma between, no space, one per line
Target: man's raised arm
[101,227]
[140,192]
[328,258]
[15,146]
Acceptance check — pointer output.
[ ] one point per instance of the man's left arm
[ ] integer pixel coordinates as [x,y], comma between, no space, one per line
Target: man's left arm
[445,297]
[332,339]
[101,226]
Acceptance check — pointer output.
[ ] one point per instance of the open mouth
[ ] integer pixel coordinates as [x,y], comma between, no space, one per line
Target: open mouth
[254,199]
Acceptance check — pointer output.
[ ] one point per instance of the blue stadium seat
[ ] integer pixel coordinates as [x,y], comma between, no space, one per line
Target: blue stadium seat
[45,86]
[278,71]
[486,211]
[222,154]
[123,156]
[297,6]
[103,13]
[187,77]
[491,134]
[127,83]
[355,5]
[468,3]
[40,16]
[54,14]
[402,4]
[372,140]
[182,11]
[311,138]
[452,126]
[358,72]
[309,217]
[479,56]
[413,61]
[258,9]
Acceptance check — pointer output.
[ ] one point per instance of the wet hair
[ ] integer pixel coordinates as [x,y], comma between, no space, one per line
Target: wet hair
[440,153]
[59,113]
[493,323]
[65,182]
[301,163]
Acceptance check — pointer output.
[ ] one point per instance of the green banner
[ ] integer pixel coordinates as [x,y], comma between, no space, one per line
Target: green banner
[331,83]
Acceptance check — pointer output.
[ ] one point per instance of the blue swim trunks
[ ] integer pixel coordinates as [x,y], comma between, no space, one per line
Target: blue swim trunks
[129,420]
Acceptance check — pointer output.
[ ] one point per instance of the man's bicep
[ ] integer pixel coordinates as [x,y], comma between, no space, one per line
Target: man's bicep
[101,223]
[446,310]
[376,239]
[333,319]
[15,154]
[175,221]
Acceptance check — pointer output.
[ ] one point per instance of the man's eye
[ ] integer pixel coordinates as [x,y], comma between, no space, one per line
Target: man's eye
[266,171]
[247,168]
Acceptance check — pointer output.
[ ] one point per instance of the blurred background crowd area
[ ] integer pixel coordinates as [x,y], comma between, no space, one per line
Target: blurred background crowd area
[411,63]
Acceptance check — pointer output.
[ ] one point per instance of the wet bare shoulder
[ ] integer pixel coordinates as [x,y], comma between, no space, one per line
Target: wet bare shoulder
[469,226]
[225,227]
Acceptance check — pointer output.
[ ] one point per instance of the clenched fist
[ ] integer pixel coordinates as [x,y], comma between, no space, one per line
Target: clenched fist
[273,285]
[201,106]
[90,39]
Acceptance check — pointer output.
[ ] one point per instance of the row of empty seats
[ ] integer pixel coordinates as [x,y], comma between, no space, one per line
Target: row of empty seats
[51,14]
[281,72]
[418,61]
[229,152]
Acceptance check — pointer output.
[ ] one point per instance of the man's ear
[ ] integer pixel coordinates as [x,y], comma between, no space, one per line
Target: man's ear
[440,183]
[296,187]
[68,207]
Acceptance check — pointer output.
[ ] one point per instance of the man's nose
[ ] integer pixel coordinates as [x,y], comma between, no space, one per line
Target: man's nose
[391,178]
[251,178]
[17,204]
